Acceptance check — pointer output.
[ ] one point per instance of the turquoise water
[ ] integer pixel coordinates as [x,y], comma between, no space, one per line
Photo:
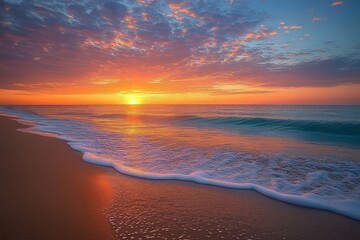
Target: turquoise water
[305,155]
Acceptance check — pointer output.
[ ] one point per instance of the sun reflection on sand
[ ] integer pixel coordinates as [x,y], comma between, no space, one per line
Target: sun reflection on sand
[103,184]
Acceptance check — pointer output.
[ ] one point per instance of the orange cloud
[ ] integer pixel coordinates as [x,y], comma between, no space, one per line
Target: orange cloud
[131,22]
[179,8]
[259,34]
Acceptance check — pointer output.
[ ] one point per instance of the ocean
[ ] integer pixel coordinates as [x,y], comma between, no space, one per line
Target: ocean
[304,155]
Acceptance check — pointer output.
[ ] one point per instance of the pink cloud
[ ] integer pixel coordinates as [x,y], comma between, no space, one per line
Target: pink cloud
[336,3]
[316,19]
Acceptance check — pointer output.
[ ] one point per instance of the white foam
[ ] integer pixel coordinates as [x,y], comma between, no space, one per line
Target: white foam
[348,208]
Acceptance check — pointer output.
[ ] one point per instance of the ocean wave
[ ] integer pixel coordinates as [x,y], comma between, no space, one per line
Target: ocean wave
[328,183]
[248,124]
[326,127]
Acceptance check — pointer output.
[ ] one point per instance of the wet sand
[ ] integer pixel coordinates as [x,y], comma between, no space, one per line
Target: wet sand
[48,192]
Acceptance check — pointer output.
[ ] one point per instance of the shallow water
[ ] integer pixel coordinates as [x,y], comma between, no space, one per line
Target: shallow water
[306,155]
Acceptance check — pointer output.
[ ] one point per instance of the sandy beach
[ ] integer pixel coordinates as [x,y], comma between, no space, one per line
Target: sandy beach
[48,192]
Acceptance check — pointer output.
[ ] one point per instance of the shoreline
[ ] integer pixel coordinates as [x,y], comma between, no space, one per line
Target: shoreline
[148,204]
[297,200]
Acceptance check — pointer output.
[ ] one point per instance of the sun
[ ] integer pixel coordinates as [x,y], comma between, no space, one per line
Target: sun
[133,102]
[132,99]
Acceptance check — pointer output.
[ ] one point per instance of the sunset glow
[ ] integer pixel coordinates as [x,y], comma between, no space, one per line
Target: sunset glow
[170,52]
[182,119]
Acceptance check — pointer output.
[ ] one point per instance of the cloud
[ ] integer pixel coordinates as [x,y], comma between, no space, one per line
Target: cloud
[337,3]
[263,33]
[321,72]
[316,19]
[286,27]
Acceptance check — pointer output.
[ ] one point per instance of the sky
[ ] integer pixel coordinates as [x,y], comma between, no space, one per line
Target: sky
[181,52]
